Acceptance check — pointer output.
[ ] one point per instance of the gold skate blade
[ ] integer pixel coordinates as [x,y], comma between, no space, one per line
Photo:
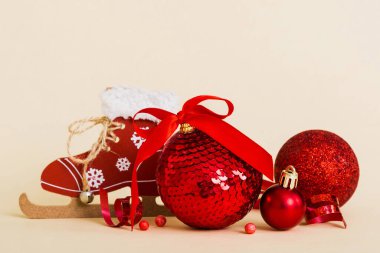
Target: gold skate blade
[76,209]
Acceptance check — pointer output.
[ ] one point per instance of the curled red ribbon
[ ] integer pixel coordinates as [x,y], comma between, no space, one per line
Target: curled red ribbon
[121,208]
[206,121]
[323,208]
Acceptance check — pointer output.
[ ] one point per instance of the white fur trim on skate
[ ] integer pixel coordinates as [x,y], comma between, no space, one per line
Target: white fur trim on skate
[124,102]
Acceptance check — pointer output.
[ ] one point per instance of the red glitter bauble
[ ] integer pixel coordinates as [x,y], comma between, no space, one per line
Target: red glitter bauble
[325,163]
[203,183]
[282,208]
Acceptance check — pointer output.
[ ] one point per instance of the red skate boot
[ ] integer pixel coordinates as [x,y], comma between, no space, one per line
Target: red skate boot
[108,165]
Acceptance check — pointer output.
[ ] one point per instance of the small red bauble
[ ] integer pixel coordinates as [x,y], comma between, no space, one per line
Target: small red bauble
[250,228]
[203,184]
[160,220]
[144,225]
[282,206]
[325,163]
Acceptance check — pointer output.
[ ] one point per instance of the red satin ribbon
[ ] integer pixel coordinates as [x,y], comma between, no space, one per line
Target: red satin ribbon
[323,208]
[122,210]
[206,121]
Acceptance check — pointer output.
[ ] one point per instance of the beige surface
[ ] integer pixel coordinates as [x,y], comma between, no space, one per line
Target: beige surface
[287,65]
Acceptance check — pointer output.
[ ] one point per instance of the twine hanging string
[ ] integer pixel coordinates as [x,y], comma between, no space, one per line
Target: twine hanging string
[107,133]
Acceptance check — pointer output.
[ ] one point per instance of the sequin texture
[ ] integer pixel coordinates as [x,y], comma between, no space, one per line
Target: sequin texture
[204,184]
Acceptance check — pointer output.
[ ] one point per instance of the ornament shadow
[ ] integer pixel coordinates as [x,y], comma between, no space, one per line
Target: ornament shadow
[264,227]
[336,224]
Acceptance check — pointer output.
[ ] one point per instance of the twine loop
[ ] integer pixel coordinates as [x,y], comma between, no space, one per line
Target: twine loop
[106,134]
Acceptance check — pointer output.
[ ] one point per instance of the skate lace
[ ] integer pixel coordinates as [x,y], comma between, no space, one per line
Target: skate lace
[106,134]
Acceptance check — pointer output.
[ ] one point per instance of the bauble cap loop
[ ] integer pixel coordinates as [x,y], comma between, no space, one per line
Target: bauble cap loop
[186,128]
[289,177]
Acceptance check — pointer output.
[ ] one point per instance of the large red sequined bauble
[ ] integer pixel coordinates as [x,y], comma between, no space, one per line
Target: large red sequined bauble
[325,163]
[203,183]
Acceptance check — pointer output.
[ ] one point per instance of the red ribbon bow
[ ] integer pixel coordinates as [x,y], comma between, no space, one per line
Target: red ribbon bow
[208,122]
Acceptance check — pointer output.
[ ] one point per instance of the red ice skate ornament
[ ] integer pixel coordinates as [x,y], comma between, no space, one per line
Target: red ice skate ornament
[210,174]
[108,165]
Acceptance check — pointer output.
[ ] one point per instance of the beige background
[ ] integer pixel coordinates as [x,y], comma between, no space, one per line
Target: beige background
[287,65]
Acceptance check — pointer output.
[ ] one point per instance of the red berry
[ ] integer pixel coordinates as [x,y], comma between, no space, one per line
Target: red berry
[144,225]
[250,228]
[160,220]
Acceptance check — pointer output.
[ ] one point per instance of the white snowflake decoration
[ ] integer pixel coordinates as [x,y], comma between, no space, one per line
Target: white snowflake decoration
[123,164]
[138,140]
[94,177]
